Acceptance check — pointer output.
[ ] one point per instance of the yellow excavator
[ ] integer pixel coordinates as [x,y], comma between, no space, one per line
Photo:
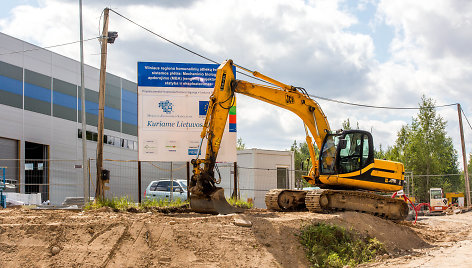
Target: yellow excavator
[346,172]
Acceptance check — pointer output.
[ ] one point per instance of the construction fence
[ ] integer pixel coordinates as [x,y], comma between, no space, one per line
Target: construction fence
[58,179]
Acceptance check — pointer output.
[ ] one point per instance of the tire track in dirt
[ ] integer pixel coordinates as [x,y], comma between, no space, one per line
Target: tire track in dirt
[105,229]
[135,240]
[116,246]
[98,251]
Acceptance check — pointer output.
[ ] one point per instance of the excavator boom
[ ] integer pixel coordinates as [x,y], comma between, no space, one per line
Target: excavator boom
[346,158]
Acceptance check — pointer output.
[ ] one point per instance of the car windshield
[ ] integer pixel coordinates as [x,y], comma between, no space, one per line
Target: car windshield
[184,184]
[436,194]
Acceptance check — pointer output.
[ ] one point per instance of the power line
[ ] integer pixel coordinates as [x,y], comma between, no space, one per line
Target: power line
[162,37]
[314,96]
[466,118]
[380,107]
[47,47]
[178,45]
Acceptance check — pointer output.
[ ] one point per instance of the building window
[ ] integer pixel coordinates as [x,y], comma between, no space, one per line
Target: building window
[89,135]
[282,177]
[110,140]
[29,166]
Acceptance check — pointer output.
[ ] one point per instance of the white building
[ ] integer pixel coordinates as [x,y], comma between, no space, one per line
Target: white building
[259,171]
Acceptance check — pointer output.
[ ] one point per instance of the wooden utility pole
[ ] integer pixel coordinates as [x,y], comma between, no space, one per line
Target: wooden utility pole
[464,157]
[235,190]
[139,182]
[100,191]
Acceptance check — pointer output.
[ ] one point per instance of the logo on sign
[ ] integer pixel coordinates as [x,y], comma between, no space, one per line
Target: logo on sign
[202,108]
[166,106]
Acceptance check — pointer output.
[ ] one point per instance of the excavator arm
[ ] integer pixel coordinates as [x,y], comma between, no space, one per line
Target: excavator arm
[203,184]
[346,161]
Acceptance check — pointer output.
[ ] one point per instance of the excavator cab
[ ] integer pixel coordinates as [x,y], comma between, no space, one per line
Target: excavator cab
[346,152]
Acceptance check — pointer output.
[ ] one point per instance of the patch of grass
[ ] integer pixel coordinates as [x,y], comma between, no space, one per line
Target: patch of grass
[117,203]
[329,245]
[161,203]
[125,203]
[239,203]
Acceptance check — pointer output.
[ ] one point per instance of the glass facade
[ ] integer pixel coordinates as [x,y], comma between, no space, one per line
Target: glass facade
[51,96]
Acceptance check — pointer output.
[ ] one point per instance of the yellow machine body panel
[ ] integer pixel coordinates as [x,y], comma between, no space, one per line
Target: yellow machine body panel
[385,176]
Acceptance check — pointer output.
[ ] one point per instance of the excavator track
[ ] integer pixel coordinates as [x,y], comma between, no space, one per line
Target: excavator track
[312,201]
[322,201]
[271,199]
[382,206]
[285,200]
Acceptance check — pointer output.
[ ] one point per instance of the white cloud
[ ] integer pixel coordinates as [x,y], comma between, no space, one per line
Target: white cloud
[303,43]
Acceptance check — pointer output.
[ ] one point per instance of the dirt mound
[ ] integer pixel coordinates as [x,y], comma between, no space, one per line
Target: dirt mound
[123,239]
[395,236]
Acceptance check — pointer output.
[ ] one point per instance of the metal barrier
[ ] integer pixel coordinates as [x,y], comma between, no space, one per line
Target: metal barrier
[58,179]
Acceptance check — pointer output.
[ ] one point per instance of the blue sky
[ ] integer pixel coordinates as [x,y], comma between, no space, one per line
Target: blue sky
[381,33]
[385,53]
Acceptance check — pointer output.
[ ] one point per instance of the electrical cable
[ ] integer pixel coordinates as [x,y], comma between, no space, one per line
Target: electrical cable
[162,37]
[180,46]
[53,46]
[256,78]
[466,118]
[379,107]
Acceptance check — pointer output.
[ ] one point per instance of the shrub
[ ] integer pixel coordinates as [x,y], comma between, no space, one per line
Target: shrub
[333,246]
[239,203]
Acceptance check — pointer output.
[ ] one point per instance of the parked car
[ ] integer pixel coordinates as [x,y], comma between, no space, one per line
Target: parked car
[161,189]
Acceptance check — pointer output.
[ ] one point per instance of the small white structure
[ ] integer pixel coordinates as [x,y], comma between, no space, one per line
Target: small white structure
[259,171]
[25,199]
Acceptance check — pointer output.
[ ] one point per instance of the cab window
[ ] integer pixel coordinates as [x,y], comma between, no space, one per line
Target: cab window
[350,157]
[328,155]
[365,152]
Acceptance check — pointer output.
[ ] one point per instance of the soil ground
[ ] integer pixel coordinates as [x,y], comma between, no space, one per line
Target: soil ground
[57,238]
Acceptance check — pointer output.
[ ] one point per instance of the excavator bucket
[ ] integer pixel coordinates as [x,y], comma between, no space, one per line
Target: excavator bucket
[214,203]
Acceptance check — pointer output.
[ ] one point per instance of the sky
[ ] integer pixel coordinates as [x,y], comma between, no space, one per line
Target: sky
[383,53]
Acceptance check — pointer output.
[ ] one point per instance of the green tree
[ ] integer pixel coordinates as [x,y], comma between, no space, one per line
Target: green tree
[240,145]
[469,165]
[469,170]
[346,125]
[424,148]
[302,159]
[380,153]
